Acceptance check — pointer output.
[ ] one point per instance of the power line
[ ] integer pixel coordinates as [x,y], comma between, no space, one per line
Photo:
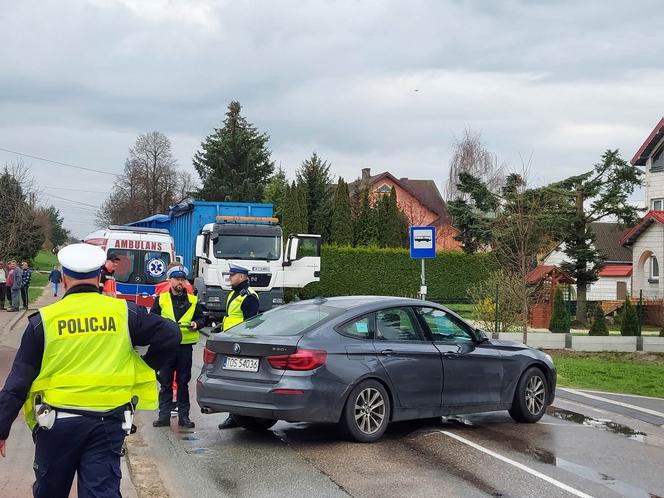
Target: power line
[58,162]
[77,190]
[70,200]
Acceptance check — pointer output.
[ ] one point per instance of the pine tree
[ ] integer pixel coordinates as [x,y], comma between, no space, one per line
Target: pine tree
[341,232]
[294,211]
[599,322]
[560,319]
[629,325]
[314,177]
[234,162]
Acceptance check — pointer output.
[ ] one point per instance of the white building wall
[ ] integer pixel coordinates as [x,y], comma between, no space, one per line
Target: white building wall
[650,242]
[654,182]
[604,289]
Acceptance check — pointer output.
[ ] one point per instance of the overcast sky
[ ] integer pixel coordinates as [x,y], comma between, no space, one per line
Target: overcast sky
[553,82]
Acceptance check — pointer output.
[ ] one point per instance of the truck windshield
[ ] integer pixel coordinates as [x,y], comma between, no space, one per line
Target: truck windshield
[227,246]
[140,267]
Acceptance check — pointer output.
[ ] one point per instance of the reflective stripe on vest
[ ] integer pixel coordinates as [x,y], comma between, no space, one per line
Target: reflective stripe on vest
[189,335]
[89,362]
[234,313]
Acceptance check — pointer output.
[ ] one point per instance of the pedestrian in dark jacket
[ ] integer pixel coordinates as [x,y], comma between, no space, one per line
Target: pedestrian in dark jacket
[26,278]
[15,282]
[55,277]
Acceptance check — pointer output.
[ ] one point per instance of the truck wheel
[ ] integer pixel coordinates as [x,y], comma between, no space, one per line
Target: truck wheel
[367,412]
[254,423]
[530,397]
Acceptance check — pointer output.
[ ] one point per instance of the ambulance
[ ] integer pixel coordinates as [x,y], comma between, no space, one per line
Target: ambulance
[144,257]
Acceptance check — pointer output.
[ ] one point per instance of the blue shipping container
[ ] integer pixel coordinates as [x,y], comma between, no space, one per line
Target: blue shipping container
[187,220]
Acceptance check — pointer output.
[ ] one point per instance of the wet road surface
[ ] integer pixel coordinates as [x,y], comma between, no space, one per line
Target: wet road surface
[582,447]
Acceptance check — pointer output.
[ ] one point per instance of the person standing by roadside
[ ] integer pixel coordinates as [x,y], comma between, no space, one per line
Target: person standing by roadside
[14,282]
[55,277]
[27,277]
[107,281]
[184,309]
[3,285]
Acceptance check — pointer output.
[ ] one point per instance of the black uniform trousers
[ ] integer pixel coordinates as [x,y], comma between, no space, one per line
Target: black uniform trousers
[91,446]
[180,365]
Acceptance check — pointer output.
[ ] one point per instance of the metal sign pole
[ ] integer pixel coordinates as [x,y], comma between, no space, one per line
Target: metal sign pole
[423,288]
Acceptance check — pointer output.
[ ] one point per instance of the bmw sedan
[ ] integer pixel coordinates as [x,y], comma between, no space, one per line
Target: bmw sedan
[366,361]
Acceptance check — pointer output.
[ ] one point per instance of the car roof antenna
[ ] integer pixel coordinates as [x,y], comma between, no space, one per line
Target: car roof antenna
[320,300]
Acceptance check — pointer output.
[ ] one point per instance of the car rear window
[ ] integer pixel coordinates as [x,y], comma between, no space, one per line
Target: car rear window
[285,320]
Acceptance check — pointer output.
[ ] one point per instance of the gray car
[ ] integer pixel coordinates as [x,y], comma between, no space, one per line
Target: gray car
[366,361]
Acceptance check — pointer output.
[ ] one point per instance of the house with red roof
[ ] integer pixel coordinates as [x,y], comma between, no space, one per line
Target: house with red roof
[646,239]
[419,200]
[615,278]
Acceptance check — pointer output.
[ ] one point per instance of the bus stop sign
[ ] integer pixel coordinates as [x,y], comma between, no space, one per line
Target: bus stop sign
[422,242]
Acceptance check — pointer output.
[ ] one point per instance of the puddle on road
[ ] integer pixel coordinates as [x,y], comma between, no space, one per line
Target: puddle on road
[189,437]
[197,451]
[606,425]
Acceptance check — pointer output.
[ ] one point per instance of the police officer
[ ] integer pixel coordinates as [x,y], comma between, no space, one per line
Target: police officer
[241,304]
[76,374]
[183,308]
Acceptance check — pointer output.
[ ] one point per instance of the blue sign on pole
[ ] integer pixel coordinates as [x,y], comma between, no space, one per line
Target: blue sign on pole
[422,242]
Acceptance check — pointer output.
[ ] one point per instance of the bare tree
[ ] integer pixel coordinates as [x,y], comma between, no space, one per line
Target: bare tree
[150,183]
[22,231]
[470,156]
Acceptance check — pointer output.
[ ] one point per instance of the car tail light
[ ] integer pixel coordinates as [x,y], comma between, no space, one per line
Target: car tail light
[302,359]
[208,356]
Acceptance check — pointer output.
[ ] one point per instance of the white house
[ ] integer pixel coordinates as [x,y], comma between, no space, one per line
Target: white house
[616,276]
[647,238]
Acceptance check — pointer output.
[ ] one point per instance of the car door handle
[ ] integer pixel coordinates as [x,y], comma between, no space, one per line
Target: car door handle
[388,352]
[450,354]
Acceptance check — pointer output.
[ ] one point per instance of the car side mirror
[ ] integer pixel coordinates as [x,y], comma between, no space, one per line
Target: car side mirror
[481,336]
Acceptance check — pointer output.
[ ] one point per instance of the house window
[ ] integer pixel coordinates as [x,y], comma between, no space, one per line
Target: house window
[658,160]
[654,269]
[384,189]
[658,204]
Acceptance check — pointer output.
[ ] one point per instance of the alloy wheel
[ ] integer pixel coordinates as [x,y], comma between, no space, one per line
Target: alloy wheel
[369,410]
[535,394]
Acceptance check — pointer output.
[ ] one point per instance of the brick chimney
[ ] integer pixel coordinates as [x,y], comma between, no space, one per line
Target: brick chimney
[366,173]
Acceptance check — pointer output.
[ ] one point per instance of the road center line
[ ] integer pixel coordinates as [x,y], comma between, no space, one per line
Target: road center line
[518,465]
[613,402]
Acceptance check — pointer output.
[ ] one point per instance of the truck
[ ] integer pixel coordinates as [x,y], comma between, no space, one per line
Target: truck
[144,252]
[210,235]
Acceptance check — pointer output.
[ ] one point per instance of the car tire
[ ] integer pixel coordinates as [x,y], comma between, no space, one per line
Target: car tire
[530,397]
[254,423]
[367,412]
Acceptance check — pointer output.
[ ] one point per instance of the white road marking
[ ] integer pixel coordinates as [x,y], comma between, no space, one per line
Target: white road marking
[518,465]
[614,402]
[621,394]
[571,424]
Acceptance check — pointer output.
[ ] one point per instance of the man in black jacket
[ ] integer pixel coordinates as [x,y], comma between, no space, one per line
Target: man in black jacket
[184,309]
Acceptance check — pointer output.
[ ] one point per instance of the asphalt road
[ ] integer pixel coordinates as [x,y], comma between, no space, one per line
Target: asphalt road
[589,444]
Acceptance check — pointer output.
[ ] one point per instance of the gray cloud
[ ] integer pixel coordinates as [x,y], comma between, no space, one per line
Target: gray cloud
[558,81]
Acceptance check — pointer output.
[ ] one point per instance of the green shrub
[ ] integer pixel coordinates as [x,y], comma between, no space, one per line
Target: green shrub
[560,319]
[375,271]
[598,326]
[629,321]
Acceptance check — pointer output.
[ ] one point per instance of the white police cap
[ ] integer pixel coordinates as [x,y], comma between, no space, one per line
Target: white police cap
[81,261]
[235,268]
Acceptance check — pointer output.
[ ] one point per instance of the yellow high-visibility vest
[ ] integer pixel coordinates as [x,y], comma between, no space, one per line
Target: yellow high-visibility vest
[89,362]
[189,335]
[234,313]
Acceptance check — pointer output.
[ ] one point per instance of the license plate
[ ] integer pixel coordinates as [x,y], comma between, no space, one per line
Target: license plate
[243,364]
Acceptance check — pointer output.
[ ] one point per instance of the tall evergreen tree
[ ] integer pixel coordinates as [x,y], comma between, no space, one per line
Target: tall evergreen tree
[365,230]
[560,319]
[234,162]
[341,232]
[275,191]
[599,193]
[599,322]
[629,325]
[294,211]
[314,176]
[389,221]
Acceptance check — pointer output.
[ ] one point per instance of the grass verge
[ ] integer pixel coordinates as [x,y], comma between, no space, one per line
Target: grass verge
[462,309]
[42,265]
[630,373]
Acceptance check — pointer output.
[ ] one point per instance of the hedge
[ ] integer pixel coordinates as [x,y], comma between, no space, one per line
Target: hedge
[375,271]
